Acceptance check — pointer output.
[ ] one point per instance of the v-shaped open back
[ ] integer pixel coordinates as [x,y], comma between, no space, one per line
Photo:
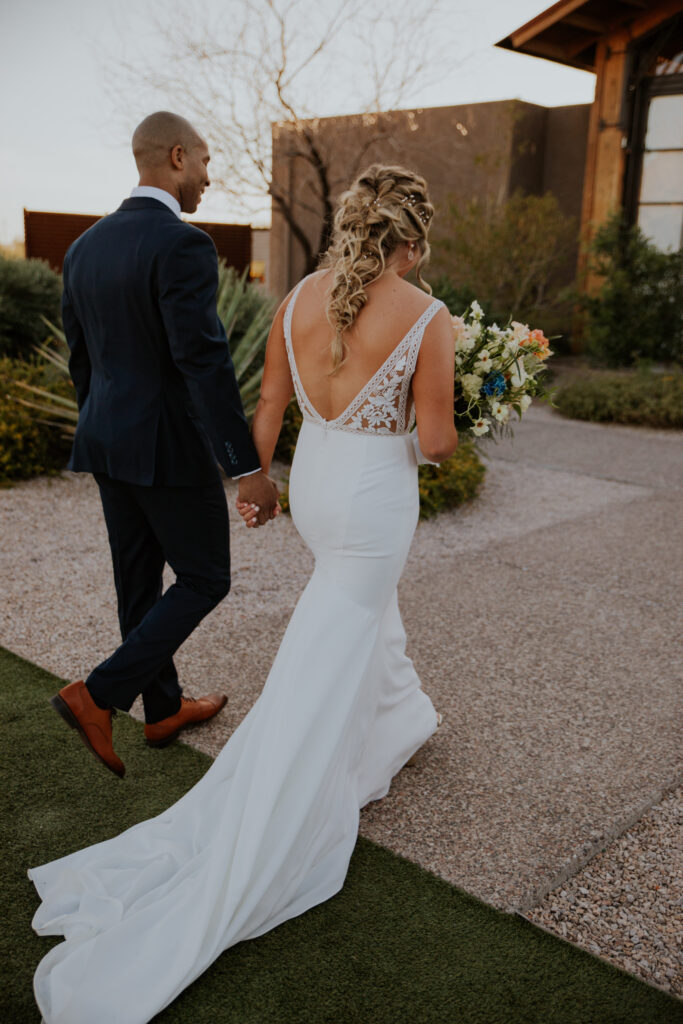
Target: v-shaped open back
[380,406]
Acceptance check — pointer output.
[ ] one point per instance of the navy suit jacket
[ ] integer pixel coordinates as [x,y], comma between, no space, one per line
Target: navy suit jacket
[155,383]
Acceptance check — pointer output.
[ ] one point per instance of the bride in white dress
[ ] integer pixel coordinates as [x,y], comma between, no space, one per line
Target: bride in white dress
[269,830]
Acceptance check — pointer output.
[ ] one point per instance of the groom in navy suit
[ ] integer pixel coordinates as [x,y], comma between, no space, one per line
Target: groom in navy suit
[160,409]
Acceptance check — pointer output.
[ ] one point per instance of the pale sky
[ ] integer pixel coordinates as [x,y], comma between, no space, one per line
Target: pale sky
[65,149]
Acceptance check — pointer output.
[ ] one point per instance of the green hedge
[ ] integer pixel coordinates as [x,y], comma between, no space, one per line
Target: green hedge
[638,312]
[643,399]
[452,483]
[28,288]
[28,447]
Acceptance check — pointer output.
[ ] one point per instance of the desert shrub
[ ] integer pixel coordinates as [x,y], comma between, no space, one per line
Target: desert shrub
[638,311]
[29,289]
[246,313]
[240,302]
[246,316]
[453,482]
[643,398]
[28,447]
[512,257]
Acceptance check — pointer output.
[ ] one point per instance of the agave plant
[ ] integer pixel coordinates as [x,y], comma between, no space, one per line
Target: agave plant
[63,411]
[245,313]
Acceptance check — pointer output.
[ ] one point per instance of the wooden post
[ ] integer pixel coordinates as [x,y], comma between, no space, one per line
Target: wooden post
[605,158]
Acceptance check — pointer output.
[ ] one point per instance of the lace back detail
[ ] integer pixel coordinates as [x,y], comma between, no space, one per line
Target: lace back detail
[380,406]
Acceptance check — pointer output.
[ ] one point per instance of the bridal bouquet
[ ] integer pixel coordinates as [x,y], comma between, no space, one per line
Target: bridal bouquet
[497,369]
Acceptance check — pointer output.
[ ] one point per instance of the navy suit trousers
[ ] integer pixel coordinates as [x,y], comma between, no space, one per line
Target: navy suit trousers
[186,527]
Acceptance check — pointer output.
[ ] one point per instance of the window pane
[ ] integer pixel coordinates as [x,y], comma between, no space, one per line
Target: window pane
[662,180]
[663,225]
[665,122]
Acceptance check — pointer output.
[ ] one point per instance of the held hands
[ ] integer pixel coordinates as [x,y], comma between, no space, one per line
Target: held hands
[257,499]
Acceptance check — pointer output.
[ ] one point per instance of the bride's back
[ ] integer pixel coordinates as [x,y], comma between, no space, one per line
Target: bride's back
[392,308]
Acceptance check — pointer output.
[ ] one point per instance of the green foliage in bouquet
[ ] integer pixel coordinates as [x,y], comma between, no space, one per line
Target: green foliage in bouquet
[514,257]
[28,446]
[497,370]
[643,398]
[29,290]
[638,312]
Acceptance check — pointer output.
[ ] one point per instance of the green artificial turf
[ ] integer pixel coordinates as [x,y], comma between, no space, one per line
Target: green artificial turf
[395,946]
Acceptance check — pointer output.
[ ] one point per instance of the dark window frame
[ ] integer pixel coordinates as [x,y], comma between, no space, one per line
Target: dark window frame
[641,89]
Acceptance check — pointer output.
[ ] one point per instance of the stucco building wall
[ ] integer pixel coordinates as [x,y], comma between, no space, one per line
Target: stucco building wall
[477,150]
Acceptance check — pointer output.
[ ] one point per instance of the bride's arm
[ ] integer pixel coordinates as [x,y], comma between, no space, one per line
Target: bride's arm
[433,389]
[277,389]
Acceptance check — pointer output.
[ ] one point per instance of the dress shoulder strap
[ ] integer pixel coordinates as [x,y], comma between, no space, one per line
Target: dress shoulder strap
[302,399]
[417,333]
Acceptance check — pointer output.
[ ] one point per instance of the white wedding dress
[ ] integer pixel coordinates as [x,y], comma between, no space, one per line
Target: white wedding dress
[269,830]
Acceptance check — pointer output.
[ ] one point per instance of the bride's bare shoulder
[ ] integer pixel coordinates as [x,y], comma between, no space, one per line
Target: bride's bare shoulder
[402,294]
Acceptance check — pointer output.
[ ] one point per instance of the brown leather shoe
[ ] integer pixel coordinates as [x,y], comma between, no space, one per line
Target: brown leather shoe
[93,724]
[192,712]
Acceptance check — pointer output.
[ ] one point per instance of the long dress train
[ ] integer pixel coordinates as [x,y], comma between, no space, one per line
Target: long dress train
[269,830]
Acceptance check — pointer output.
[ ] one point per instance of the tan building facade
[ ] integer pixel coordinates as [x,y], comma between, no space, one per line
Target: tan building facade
[477,150]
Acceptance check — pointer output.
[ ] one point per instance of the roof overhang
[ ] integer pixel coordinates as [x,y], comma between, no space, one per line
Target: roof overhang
[569,31]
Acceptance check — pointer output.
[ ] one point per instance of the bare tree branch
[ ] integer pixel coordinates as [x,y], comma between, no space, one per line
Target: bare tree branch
[239,69]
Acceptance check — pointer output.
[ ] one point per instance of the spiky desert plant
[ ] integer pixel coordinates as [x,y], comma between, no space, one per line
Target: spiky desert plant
[246,315]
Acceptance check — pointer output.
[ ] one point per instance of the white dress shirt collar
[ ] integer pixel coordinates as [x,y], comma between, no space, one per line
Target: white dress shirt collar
[151,192]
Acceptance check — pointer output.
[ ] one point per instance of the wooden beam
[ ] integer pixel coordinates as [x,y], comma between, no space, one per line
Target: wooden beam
[650,19]
[539,48]
[644,17]
[591,157]
[581,45]
[544,21]
[586,21]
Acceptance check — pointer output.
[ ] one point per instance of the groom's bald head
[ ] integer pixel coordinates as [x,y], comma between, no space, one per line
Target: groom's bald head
[172,155]
[159,133]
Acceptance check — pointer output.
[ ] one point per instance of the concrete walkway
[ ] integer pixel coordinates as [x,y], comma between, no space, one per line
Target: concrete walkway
[544,620]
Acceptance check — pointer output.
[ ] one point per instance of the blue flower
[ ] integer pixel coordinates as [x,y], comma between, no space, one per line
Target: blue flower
[494,384]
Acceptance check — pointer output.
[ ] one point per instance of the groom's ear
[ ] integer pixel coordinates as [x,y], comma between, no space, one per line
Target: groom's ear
[178,157]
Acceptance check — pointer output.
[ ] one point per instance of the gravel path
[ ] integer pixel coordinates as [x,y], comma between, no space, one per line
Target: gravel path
[542,621]
[626,904]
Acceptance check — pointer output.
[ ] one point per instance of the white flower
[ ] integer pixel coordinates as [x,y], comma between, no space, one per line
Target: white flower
[525,402]
[483,362]
[499,411]
[458,360]
[471,384]
[473,332]
[520,331]
[480,427]
[459,330]
[517,376]
[477,311]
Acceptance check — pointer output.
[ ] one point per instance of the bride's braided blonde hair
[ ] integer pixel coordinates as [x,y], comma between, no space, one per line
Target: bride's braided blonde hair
[385,207]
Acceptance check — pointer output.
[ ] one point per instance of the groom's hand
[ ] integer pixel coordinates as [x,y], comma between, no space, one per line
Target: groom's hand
[257,499]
